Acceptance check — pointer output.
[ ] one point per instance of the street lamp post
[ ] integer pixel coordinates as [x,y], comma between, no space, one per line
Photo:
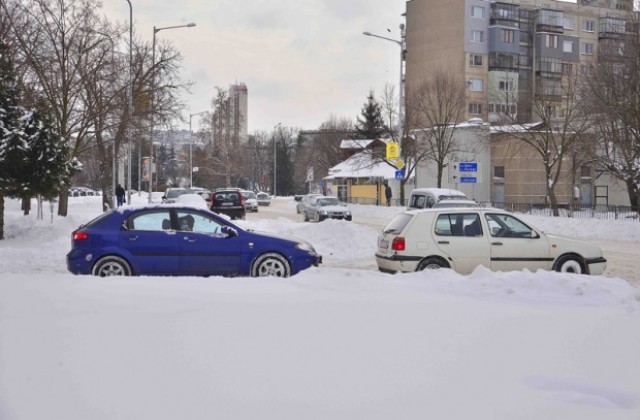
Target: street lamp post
[274,157]
[130,103]
[401,91]
[191,148]
[153,102]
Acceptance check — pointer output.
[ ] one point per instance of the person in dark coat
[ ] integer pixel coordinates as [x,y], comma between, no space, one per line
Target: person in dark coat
[119,195]
[387,193]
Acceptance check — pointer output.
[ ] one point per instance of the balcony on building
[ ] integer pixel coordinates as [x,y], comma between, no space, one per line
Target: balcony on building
[549,20]
[504,14]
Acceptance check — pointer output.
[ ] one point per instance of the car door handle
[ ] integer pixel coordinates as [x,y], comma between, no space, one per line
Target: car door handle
[443,242]
[186,238]
[497,243]
[133,238]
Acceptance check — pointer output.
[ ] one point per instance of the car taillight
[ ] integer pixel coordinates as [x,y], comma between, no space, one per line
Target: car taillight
[398,244]
[241,200]
[80,236]
[212,200]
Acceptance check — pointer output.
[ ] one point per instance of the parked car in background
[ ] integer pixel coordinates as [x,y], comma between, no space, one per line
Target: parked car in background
[250,200]
[425,198]
[171,194]
[464,238]
[303,201]
[182,240]
[228,201]
[193,200]
[263,199]
[82,192]
[319,208]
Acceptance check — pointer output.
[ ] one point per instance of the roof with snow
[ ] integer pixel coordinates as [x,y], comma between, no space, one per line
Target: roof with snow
[362,165]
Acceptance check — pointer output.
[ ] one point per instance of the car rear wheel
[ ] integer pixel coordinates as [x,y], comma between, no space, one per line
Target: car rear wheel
[431,264]
[306,216]
[570,264]
[271,264]
[111,266]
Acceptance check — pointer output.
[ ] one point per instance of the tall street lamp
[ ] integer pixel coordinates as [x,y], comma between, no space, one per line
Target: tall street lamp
[153,102]
[274,157]
[401,91]
[191,148]
[130,103]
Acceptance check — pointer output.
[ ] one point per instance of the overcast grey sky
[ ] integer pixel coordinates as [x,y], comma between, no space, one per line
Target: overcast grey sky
[302,60]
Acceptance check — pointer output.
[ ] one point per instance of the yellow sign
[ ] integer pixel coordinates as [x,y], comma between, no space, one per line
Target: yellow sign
[399,164]
[393,150]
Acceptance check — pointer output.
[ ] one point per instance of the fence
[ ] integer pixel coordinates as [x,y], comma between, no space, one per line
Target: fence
[598,211]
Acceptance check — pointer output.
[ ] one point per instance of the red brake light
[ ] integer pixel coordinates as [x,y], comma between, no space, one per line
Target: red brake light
[80,236]
[398,244]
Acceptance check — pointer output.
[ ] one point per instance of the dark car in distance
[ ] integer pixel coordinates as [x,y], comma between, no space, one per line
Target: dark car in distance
[229,201]
[172,240]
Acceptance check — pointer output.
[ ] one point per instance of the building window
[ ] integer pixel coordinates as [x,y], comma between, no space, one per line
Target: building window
[477,36]
[477,11]
[505,85]
[567,68]
[551,41]
[475,108]
[498,171]
[589,25]
[476,85]
[587,48]
[585,171]
[506,36]
[567,46]
[568,23]
[475,60]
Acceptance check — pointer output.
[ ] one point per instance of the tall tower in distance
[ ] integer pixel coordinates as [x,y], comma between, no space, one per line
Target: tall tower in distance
[238,104]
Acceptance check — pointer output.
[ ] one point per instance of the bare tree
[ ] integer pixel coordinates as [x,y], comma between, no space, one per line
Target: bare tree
[613,99]
[67,57]
[561,128]
[433,112]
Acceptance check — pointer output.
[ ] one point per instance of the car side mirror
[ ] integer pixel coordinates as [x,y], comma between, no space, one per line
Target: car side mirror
[231,232]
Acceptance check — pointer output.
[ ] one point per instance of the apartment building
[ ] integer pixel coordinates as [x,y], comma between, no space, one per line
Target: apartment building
[507,53]
[231,117]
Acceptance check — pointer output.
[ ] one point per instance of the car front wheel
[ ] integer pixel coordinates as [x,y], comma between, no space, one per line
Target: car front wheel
[111,266]
[271,264]
[570,264]
[431,264]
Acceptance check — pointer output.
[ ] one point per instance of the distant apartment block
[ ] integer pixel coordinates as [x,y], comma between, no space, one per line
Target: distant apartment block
[230,119]
[506,52]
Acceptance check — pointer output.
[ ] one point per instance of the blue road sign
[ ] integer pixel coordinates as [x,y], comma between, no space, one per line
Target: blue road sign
[468,167]
[400,174]
[470,179]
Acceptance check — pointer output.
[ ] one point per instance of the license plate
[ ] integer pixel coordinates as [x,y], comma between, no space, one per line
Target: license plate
[227,204]
[383,243]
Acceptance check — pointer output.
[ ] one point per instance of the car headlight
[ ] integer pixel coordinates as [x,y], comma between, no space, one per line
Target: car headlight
[306,246]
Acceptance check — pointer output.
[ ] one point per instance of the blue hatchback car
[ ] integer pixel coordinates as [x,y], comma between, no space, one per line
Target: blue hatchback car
[173,239]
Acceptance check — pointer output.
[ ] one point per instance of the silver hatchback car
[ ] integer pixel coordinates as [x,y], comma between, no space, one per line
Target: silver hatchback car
[464,238]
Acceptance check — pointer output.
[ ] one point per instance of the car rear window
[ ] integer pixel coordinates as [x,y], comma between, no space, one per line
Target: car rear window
[398,223]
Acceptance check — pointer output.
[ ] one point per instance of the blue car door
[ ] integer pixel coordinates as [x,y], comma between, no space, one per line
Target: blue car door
[151,243]
[204,248]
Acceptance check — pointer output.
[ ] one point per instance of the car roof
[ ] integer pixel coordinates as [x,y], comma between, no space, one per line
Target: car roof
[439,191]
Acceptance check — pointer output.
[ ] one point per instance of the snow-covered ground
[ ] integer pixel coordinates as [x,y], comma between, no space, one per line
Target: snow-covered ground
[341,341]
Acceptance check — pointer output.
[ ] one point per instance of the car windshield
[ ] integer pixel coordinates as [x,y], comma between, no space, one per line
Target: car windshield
[248,195]
[328,201]
[175,193]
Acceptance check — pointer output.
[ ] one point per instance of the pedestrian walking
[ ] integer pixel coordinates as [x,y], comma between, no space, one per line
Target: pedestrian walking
[387,193]
[119,195]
